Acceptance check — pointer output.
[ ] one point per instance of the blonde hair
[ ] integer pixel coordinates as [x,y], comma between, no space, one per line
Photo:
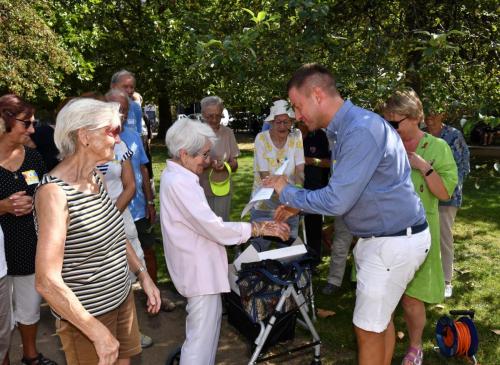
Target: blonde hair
[404,102]
[82,113]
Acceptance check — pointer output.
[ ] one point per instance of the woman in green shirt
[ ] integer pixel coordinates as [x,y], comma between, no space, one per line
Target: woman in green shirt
[434,176]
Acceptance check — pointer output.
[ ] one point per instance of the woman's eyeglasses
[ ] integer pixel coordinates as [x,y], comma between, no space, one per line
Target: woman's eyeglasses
[205,155]
[27,123]
[395,123]
[112,132]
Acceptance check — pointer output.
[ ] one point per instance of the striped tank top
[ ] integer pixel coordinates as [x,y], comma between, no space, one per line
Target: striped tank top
[95,265]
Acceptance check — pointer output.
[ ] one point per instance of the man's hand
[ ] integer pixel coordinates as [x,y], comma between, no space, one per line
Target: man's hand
[151,291]
[106,347]
[151,213]
[278,182]
[283,213]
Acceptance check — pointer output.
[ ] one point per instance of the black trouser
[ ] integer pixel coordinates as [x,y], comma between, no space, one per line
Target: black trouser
[314,227]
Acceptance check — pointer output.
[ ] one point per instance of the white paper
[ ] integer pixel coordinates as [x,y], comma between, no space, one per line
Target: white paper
[263,193]
[285,254]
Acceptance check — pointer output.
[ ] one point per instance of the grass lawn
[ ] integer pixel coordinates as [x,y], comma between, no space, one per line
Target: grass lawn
[476,280]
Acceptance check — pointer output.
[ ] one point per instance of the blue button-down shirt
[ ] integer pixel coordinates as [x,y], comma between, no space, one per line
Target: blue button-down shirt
[132,139]
[370,184]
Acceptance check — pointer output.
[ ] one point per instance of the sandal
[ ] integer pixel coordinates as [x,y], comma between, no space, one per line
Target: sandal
[39,360]
[414,356]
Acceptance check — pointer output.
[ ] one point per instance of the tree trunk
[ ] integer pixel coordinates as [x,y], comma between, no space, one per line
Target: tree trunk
[165,116]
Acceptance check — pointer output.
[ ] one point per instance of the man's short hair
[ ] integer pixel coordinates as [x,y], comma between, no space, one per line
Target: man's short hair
[118,75]
[311,75]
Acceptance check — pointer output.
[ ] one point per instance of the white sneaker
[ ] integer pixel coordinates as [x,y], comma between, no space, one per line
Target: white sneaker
[448,290]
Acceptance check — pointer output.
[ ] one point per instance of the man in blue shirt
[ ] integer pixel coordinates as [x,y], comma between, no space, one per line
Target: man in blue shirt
[371,189]
[125,81]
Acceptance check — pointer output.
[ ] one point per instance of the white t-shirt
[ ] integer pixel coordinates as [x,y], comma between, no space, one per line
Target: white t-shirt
[112,170]
[3,262]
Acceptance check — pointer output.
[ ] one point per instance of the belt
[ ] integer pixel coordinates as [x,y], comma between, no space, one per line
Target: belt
[407,231]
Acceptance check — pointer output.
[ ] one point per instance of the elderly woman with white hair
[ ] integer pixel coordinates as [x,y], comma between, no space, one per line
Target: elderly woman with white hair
[194,238]
[83,257]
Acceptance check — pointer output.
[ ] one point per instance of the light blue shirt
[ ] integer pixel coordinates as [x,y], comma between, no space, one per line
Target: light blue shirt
[134,117]
[370,185]
[132,139]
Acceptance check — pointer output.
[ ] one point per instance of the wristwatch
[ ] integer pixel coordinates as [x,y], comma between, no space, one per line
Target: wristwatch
[430,171]
[317,161]
[139,270]
[151,202]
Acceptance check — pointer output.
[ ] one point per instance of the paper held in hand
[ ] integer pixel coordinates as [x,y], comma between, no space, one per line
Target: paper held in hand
[263,193]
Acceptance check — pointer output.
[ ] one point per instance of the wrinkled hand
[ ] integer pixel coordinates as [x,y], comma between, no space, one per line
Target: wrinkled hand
[417,162]
[278,182]
[152,292]
[218,165]
[271,228]
[18,204]
[106,347]
[283,212]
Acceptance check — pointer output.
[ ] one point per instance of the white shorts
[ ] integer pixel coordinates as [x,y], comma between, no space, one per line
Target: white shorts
[385,266]
[25,299]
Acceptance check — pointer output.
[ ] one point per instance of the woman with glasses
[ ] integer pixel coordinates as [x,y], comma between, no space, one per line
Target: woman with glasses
[21,169]
[434,176]
[194,238]
[224,159]
[272,148]
[83,257]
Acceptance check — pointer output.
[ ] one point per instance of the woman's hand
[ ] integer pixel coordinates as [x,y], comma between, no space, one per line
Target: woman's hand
[151,291]
[283,213]
[417,162]
[271,228]
[18,204]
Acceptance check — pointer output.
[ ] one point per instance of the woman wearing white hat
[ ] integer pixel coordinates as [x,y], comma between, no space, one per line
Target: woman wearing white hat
[272,148]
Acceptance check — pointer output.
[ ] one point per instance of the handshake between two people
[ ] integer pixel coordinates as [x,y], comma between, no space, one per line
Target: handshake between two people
[278,183]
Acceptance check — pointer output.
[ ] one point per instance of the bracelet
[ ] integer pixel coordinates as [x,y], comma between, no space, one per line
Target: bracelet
[317,161]
[151,202]
[430,171]
[139,270]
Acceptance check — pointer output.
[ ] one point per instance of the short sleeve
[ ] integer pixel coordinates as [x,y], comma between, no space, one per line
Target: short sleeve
[446,167]
[234,151]
[260,154]
[299,149]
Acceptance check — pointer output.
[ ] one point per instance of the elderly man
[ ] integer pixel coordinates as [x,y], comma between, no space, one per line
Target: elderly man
[216,177]
[372,190]
[125,81]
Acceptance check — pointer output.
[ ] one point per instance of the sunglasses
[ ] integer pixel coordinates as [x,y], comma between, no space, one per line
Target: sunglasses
[27,123]
[112,132]
[395,123]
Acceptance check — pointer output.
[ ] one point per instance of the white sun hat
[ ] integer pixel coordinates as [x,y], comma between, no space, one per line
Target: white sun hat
[280,107]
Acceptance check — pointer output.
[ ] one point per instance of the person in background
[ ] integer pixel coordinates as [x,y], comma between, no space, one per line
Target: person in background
[434,177]
[43,141]
[125,81]
[5,306]
[194,238]
[83,258]
[316,174]
[21,169]
[272,148]
[370,188]
[448,209]
[224,159]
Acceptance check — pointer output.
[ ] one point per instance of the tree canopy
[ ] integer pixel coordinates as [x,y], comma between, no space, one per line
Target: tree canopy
[245,51]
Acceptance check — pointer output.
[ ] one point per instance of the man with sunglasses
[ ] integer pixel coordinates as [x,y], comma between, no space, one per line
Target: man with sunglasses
[371,189]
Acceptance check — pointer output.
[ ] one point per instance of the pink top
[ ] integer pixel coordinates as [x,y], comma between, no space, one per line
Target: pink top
[193,236]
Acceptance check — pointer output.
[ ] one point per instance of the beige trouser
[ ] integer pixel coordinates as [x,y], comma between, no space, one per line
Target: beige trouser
[447,216]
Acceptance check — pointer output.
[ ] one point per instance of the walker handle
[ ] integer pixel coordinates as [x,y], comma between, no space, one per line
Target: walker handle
[463,312]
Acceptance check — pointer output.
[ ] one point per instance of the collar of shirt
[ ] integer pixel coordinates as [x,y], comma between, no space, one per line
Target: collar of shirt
[181,170]
[336,123]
